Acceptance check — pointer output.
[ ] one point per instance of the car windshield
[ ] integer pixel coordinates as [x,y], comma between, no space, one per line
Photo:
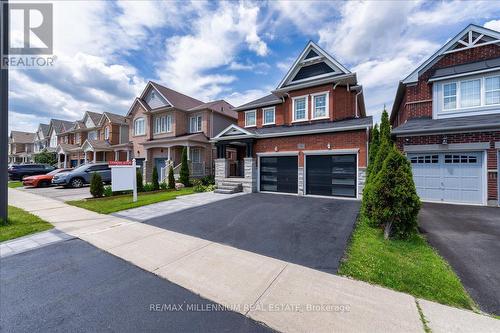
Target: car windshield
[81,168]
[57,171]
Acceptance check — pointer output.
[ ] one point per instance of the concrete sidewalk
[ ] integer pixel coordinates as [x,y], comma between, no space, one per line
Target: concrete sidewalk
[31,242]
[284,296]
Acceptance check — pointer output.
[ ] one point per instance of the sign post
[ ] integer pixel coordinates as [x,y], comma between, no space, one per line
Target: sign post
[123,176]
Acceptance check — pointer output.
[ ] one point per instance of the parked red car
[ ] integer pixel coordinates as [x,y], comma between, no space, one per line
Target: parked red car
[42,180]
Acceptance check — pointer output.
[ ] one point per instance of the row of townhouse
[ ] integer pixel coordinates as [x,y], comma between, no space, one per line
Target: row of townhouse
[310,135]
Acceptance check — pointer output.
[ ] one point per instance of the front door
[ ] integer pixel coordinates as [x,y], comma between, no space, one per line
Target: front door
[279,174]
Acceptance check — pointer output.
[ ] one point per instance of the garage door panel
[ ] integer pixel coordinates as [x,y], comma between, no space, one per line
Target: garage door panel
[279,174]
[331,175]
[449,177]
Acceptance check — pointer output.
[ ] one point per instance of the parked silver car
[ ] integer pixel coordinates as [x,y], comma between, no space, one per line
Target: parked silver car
[82,175]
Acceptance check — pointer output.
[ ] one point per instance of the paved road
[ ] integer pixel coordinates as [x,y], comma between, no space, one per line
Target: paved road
[60,193]
[469,238]
[74,287]
[312,232]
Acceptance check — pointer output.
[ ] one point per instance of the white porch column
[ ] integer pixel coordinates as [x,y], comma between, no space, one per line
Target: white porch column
[65,160]
[85,157]
[168,153]
[128,155]
[94,156]
[117,155]
[78,160]
[59,160]
[188,155]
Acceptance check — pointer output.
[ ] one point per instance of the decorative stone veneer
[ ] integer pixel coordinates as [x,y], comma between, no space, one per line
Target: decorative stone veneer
[301,180]
[147,171]
[361,181]
[250,169]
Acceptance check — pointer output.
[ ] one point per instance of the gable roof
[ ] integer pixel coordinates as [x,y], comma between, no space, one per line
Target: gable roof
[175,98]
[21,137]
[470,37]
[219,106]
[44,128]
[312,63]
[137,100]
[267,100]
[113,118]
[233,130]
[60,126]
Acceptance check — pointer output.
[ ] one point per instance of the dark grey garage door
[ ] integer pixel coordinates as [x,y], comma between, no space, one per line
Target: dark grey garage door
[279,174]
[331,175]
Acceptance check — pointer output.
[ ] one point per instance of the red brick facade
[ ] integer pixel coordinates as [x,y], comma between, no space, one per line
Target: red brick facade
[417,101]
[341,140]
[341,106]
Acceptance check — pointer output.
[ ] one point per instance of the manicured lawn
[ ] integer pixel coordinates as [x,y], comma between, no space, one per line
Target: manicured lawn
[21,223]
[411,266]
[115,204]
[14,184]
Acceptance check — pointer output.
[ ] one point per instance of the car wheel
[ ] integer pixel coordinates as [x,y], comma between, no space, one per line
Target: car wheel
[44,183]
[76,182]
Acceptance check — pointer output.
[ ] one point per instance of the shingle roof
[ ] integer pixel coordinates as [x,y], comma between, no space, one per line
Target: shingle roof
[115,118]
[61,125]
[428,125]
[45,129]
[98,144]
[220,106]
[94,116]
[177,99]
[22,137]
[466,68]
[270,99]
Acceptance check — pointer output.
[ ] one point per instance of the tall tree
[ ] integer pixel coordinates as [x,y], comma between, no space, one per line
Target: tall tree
[374,145]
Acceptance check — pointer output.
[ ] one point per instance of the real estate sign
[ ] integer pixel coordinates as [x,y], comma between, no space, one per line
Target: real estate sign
[123,176]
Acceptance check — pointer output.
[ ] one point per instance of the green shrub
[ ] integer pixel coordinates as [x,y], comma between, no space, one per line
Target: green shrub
[140,184]
[163,186]
[208,180]
[96,185]
[171,178]
[46,157]
[148,187]
[198,186]
[154,180]
[184,172]
[374,145]
[107,191]
[395,200]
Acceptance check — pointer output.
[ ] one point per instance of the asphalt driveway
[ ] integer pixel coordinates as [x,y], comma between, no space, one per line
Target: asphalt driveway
[73,287]
[469,238]
[312,232]
[60,193]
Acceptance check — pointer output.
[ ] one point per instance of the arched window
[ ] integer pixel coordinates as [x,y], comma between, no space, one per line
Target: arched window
[139,126]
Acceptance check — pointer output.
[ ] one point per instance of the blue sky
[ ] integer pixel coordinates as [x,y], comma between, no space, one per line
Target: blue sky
[107,50]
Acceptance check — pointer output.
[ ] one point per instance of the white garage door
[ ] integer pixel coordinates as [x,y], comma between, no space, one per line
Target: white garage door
[449,177]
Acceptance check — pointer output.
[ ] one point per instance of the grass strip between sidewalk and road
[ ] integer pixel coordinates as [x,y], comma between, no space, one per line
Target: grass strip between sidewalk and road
[114,204]
[15,184]
[411,266]
[21,223]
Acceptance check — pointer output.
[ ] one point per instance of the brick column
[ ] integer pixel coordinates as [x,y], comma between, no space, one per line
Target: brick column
[250,166]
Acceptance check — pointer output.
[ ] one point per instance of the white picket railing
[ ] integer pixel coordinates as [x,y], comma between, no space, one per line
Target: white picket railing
[196,169]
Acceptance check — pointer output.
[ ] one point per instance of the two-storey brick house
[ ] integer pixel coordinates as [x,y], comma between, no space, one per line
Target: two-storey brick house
[41,141]
[20,147]
[308,137]
[163,121]
[446,118]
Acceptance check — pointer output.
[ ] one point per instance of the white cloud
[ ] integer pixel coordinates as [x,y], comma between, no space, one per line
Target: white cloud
[451,12]
[217,36]
[493,25]
[240,98]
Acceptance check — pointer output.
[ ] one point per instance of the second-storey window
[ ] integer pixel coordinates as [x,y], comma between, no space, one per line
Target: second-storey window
[492,90]
[470,93]
[139,126]
[163,124]
[300,108]
[195,124]
[250,118]
[450,96]
[92,135]
[106,133]
[320,105]
[268,116]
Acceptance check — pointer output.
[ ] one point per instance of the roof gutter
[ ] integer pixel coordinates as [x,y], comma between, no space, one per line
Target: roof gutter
[315,83]
[440,130]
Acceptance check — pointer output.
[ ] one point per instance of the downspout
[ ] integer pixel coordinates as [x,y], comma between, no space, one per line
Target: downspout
[356,103]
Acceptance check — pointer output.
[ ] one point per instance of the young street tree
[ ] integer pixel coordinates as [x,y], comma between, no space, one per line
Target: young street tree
[184,172]
[154,179]
[395,200]
[171,178]
[96,185]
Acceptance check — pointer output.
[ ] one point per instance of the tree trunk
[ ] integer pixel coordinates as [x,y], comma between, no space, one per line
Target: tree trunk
[387,230]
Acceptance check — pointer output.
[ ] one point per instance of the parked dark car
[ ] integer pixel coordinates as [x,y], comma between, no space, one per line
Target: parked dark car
[82,175]
[19,171]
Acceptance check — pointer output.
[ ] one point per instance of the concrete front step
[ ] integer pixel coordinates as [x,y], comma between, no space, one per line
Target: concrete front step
[224,186]
[229,188]
[222,191]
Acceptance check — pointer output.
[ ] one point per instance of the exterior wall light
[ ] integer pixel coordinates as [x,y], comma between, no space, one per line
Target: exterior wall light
[275,148]
[445,140]
[329,146]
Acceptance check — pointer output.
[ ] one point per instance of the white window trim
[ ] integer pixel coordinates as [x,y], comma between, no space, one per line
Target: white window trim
[459,108]
[106,133]
[327,105]
[255,114]
[168,123]
[264,110]
[307,109]
[195,130]
[135,126]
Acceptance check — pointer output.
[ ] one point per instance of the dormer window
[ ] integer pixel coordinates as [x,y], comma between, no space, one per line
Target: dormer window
[250,118]
[299,108]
